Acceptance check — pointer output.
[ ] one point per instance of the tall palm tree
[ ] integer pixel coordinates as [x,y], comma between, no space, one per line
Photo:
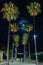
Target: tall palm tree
[29,28]
[24,42]
[16,40]
[14,28]
[34,10]
[10,12]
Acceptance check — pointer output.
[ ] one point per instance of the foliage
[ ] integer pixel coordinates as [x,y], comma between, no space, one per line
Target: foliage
[10,52]
[28,27]
[14,27]
[3,47]
[4,56]
[25,38]
[10,11]
[16,39]
[34,9]
[40,58]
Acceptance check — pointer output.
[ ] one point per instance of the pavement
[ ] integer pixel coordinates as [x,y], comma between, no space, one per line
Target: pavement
[19,63]
[40,63]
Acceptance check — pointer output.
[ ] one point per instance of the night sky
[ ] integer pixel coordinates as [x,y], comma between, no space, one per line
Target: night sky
[25,18]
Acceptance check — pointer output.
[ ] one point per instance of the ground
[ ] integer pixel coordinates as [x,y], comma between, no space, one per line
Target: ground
[19,63]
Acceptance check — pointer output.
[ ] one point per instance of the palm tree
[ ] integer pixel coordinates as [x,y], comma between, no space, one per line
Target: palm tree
[14,28]
[16,40]
[34,10]
[29,28]
[24,42]
[10,12]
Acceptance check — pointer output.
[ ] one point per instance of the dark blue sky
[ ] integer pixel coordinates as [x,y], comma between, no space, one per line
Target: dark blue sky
[24,16]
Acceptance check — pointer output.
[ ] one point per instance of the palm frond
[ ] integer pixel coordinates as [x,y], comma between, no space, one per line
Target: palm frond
[10,11]
[28,27]
[16,39]
[34,9]
[14,27]
[25,38]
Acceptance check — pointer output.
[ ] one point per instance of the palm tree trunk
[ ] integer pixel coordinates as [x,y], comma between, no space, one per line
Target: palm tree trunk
[35,41]
[29,53]
[36,51]
[8,44]
[24,53]
[12,51]
[15,52]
